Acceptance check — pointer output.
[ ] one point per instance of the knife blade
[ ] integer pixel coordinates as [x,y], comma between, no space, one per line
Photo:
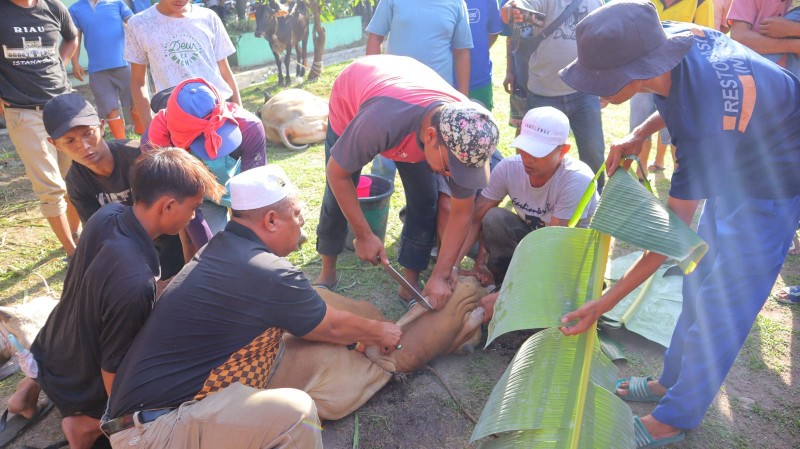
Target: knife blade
[403,282]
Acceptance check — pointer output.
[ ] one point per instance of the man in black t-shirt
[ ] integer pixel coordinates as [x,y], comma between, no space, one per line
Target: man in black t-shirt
[110,285]
[31,73]
[215,335]
[100,172]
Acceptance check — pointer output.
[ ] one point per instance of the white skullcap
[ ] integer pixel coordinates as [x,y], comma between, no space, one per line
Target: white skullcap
[259,187]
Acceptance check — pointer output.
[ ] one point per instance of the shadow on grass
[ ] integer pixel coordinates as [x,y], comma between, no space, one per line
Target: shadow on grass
[27,274]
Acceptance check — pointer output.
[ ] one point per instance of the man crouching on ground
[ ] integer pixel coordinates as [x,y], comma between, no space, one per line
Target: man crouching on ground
[195,375]
[109,290]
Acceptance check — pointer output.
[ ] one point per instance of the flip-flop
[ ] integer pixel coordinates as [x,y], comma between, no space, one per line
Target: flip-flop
[793,293]
[655,167]
[646,441]
[406,304]
[9,368]
[14,426]
[638,390]
[331,287]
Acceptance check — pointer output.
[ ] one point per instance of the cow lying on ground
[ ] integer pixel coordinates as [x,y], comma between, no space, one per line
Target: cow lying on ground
[284,27]
[24,320]
[295,117]
[340,380]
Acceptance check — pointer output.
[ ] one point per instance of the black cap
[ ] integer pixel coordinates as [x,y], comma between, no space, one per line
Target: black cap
[67,111]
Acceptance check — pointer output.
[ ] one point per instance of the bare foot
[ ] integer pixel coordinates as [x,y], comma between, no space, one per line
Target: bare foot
[655,388]
[657,429]
[23,401]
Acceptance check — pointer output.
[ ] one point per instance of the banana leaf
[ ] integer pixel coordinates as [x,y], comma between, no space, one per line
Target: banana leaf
[553,271]
[629,212]
[556,393]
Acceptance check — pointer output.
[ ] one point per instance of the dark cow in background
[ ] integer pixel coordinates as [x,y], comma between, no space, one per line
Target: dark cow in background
[284,27]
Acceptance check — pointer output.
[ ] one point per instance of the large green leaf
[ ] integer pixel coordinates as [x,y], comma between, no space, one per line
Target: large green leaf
[556,392]
[553,271]
[629,212]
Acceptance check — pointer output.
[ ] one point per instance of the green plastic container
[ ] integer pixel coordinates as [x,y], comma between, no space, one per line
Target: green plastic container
[375,208]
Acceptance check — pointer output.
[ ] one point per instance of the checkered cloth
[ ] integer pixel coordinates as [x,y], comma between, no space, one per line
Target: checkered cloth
[249,366]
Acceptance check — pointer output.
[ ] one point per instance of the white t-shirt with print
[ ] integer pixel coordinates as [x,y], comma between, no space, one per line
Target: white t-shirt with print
[176,49]
[538,205]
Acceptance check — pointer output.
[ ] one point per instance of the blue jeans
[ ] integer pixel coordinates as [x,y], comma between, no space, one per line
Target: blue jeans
[583,112]
[416,239]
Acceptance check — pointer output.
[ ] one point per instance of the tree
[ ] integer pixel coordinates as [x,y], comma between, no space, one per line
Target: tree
[326,11]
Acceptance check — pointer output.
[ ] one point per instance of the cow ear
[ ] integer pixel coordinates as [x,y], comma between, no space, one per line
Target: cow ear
[280,13]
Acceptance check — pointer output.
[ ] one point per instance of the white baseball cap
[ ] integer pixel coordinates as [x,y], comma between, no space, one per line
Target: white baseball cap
[543,129]
[259,187]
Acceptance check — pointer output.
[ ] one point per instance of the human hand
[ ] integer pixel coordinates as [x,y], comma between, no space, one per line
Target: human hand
[370,249]
[508,83]
[779,28]
[437,291]
[509,13]
[627,146]
[487,302]
[390,337]
[586,316]
[77,71]
[481,272]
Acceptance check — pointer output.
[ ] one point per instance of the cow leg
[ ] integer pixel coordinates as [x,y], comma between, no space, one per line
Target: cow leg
[278,64]
[287,61]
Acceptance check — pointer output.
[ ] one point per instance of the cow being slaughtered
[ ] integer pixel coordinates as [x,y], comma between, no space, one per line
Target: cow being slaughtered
[295,118]
[341,380]
[24,320]
[284,27]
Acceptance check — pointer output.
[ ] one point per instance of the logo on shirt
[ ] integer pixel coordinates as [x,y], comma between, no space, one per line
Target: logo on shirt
[31,53]
[736,84]
[183,50]
[474,15]
[123,197]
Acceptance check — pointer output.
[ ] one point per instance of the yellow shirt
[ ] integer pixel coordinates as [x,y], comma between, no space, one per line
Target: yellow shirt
[700,12]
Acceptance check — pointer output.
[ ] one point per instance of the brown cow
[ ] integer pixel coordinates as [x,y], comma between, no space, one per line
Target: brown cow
[284,28]
[340,381]
[295,117]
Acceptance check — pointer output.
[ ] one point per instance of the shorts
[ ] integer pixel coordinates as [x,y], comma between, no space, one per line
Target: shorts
[642,106]
[519,106]
[483,95]
[111,88]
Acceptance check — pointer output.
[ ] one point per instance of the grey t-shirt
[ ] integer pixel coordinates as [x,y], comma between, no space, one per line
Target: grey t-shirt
[538,205]
[559,49]
[31,70]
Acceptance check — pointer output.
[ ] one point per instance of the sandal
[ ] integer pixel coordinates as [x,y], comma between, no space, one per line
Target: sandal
[655,167]
[646,441]
[792,295]
[638,390]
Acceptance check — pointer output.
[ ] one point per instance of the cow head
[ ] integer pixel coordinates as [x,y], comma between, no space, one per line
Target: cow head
[267,15]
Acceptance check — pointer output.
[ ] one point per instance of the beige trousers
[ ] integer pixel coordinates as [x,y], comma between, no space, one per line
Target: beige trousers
[237,417]
[44,165]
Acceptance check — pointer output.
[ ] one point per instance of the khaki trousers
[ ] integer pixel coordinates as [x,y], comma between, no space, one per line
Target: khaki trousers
[237,417]
[45,166]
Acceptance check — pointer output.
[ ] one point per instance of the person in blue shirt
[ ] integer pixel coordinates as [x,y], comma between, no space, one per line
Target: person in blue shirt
[485,24]
[138,6]
[102,22]
[734,118]
[436,34]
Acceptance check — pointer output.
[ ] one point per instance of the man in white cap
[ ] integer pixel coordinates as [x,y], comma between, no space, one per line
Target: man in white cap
[733,117]
[203,358]
[545,186]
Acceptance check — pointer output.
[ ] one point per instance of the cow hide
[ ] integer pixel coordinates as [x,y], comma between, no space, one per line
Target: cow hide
[295,118]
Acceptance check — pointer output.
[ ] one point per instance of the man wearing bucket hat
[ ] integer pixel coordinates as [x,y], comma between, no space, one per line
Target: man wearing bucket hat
[199,372]
[400,108]
[225,136]
[734,119]
[545,186]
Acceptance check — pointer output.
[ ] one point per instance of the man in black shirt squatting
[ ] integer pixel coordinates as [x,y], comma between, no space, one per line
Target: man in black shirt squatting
[110,287]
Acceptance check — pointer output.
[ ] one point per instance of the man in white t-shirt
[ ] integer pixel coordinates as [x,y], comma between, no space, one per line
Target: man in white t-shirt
[178,41]
[545,186]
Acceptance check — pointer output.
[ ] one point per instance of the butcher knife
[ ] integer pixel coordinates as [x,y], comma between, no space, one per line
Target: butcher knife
[403,282]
